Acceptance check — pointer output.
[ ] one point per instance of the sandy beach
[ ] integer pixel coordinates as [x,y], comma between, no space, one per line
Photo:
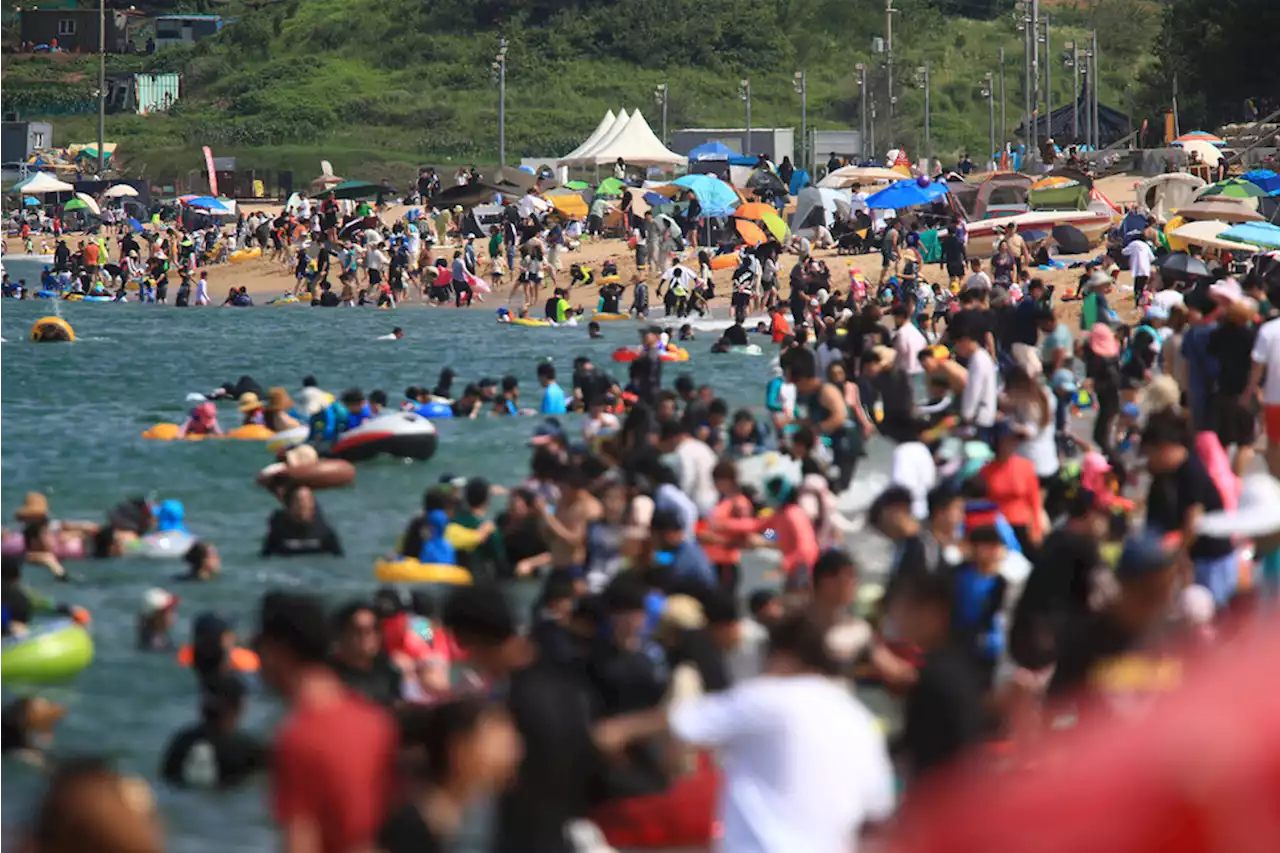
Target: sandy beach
[265,279]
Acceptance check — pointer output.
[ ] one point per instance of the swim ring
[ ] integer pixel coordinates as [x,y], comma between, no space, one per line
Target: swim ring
[404,434]
[97,299]
[671,353]
[55,651]
[169,545]
[241,255]
[52,329]
[409,570]
[287,438]
[14,545]
[283,300]
[435,409]
[248,432]
[322,474]
[749,349]
[609,318]
[241,659]
[73,297]
[528,321]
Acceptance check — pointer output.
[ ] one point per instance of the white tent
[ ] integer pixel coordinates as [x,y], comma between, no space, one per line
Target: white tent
[602,128]
[44,183]
[583,155]
[637,145]
[819,206]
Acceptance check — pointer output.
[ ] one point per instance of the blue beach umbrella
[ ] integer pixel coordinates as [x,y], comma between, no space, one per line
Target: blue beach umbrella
[909,193]
[208,203]
[134,225]
[716,197]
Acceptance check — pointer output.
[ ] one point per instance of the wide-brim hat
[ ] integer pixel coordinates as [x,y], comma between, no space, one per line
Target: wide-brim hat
[35,506]
[278,400]
[249,402]
[1103,341]
[1256,514]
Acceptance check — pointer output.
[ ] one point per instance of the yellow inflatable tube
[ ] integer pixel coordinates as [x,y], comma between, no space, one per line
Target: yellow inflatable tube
[244,255]
[52,330]
[529,321]
[409,570]
[248,432]
[607,318]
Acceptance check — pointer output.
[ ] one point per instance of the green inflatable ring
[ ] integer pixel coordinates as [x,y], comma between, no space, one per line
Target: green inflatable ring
[56,651]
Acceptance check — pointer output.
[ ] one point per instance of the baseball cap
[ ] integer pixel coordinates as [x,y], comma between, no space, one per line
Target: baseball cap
[1142,556]
[156,600]
[210,624]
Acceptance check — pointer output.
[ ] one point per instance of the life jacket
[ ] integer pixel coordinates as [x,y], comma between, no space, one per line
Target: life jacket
[330,421]
[436,548]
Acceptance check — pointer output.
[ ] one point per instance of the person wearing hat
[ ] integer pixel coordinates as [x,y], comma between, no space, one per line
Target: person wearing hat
[201,420]
[1109,659]
[155,620]
[1094,308]
[1102,370]
[251,409]
[277,415]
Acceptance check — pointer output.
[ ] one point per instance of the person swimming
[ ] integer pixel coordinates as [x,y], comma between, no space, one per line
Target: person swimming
[396,334]
[593,330]
[201,420]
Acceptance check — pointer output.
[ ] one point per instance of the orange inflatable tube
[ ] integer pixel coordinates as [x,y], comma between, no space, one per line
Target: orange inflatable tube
[242,659]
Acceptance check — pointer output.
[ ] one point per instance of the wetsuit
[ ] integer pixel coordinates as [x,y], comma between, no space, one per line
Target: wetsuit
[288,537]
[550,308]
[610,294]
[846,440]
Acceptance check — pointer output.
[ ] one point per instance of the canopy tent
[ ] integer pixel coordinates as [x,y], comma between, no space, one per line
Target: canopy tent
[582,156]
[908,193]
[1208,233]
[1268,180]
[1166,193]
[1262,234]
[636,145]
[41,183]
[602,128]
[480,219]
[711,151]
[1112,124]
[848,176]
[819,206]
[569,204]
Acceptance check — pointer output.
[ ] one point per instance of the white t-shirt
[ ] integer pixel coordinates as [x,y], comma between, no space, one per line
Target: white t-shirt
[1166,299]
[804,763]
[909,342]
[914,470]
[978,281]
[1140,257]
[697,461]
[1266,350]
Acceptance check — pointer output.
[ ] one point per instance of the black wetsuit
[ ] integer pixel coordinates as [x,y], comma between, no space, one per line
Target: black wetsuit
[846,440]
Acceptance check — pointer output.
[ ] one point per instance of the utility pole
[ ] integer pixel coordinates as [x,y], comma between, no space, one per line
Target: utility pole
[499,67]
[1024,26]
[802,89]
[988,92]
[1004,125]
[660,98]
[889,12]
[1048,81]
[1097,77]
[1035,75]
[1073,62]
[874,157]
[861,68]
[102,86]
[744,92]
[1177,131]
[922,74]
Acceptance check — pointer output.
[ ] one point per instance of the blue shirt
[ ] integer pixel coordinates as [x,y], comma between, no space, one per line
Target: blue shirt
[689,563]
[553,402]
[354,419]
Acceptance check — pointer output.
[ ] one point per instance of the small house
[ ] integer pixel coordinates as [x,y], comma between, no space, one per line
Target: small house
[173,30]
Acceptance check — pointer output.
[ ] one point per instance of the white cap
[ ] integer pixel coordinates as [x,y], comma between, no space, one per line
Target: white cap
[156,599]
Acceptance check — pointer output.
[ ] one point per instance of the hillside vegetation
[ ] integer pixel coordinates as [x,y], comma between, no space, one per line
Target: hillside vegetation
[379,86]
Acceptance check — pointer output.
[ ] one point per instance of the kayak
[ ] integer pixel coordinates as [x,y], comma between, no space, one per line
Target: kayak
[409,570]
[55,651]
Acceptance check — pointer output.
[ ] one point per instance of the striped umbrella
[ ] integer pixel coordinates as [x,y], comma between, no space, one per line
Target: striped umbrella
[1199,136]
[1234,188]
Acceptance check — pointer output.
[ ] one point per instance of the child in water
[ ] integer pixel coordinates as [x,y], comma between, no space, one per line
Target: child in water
[202,420]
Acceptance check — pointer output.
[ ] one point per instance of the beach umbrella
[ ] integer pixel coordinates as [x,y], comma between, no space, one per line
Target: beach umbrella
[1220,207]
[755,210]
[75,204]
[1262,234]
[909,193]
[1070,239]
[90,202]
[763,180]
[655,199]
[665,221]
[1180,266]
[1207,233]
[774,225]
[716,197]
[1199,136]
[134,225]
[358,189]
[1234,188]
[611,188]
[578,185]
[207,203]
[120,191]
[750,232]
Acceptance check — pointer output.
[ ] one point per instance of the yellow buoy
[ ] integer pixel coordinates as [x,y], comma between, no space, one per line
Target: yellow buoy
[52,329]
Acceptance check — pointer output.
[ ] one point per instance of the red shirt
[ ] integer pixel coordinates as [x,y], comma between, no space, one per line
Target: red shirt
[334,763]
[1014,487]
[781,328]
[91,255]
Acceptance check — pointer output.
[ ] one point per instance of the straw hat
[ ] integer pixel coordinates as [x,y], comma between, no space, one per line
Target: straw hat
[249,402]
[1162,394]
[278,400]
[35,506]
[885,357]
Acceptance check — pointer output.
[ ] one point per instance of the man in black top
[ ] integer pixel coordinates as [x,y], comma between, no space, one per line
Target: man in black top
[1181,491]
[1232,345]
[1025,325]
[358,658]
[1112,661]
[551,712]
[212,753]
[648,377]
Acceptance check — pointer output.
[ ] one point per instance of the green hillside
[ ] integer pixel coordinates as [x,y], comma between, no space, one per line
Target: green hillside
[379,86]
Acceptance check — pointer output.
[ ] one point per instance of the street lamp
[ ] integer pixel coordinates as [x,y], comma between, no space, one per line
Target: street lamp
[1071,59]
[922,80]
[660,98]
[802,89]
[861,68]
[744,92]
[102,84]
[988,92]
[499,67]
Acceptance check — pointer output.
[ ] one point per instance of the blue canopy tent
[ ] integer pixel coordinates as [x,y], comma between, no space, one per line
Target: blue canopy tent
[799,180]
[711,151]
[1262,234]
[907,193]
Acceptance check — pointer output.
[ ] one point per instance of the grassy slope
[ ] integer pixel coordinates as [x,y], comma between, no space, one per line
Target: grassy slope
[377,92]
